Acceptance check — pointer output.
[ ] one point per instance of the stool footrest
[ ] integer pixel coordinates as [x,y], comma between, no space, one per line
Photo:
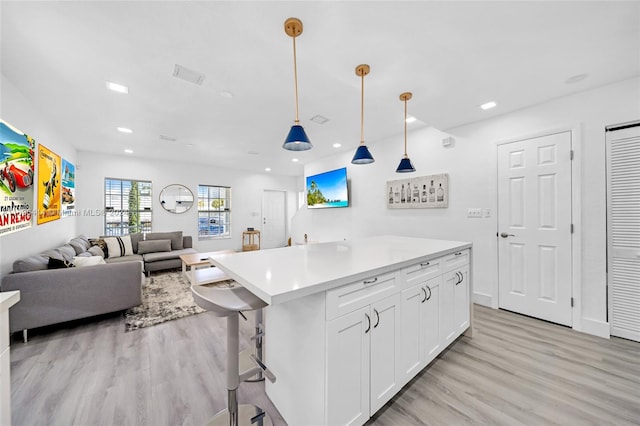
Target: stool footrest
[248,415]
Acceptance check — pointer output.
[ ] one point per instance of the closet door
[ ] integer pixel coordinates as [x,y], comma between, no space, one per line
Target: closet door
[623,230]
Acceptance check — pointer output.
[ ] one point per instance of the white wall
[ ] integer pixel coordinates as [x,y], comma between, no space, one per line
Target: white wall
[471,164]
[246,194]
[20,113]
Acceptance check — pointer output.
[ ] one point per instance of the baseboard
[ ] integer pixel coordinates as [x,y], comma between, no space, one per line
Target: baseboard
[595,327]
[483,299]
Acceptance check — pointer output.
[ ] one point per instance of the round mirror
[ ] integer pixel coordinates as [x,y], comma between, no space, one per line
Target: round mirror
[176,198]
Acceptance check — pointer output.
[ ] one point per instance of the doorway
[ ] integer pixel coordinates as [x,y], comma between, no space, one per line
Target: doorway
[274,219]
[535,227]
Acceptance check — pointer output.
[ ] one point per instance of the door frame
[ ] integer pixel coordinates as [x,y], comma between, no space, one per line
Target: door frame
[576,216]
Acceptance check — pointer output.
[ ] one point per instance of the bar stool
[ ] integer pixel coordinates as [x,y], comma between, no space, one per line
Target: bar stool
[230,302]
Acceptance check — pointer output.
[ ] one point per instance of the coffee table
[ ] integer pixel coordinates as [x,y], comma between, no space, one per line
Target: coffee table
[197,268]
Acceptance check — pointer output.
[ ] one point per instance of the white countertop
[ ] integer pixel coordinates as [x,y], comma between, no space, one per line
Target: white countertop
[283,274]
[8,299]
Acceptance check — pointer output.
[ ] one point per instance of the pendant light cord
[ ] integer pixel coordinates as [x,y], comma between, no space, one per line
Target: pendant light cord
[405,128]
[362,112]
[295,78]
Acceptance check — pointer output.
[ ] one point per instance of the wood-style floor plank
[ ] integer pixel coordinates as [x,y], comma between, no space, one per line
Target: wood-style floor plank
[515,371]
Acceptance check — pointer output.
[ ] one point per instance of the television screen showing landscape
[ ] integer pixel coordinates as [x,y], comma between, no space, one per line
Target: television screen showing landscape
[328,189]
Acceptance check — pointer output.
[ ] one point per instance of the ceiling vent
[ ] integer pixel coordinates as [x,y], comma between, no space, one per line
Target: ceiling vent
[188,75]
[167,138]
[319,119]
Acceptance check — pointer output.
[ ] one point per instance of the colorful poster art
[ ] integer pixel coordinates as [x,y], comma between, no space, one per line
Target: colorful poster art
[68,197]
[48,185]
[16,179]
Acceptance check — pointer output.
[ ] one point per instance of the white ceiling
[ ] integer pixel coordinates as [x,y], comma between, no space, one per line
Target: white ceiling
[453,56]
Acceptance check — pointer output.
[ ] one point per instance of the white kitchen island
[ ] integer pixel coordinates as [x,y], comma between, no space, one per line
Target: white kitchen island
[349,323]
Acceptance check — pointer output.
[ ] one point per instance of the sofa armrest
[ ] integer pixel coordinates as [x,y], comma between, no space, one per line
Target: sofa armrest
[187,241]
[57,295]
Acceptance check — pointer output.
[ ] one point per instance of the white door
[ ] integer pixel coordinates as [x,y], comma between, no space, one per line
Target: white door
[274,219]
[348,343]
[623,231]
[534,226]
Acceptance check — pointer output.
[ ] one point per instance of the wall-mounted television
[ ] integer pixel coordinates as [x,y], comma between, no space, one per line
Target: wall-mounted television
[328,189]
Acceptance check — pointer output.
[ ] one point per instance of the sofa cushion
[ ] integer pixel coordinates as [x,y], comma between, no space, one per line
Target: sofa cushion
[80,244]
[136,237]
[31,263]
[81,261]
[58,264]
[166,255]
[119,246]
[96,251]
[65,252]
[175,237]
[152,246]
[131,258]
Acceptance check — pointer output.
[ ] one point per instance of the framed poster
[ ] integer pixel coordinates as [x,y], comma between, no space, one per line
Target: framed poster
[16,179]
[423,192]
[68,194]
[48,185]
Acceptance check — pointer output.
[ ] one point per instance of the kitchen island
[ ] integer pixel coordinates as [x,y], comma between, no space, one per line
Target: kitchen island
[349,323]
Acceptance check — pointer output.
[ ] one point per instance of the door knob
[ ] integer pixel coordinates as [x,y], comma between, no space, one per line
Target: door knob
[505,235]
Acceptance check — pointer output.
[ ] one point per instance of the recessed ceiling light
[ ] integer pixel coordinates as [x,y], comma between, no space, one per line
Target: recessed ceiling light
[488,105]
[337,145]
[295,160]
[117,87]
[226,94]
[125,130]
[319,119]
[253,152]
[410,119]
[188,75]
[128,151]
[267,169]
[576,78]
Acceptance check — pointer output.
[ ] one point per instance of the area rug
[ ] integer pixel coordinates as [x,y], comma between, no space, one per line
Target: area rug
[166,296]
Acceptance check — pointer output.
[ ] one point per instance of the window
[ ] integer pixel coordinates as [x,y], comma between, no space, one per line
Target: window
[127,205]
[214,211]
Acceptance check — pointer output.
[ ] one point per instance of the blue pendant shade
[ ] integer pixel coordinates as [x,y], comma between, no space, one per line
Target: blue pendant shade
[362,156]
[405,166]
[297,139]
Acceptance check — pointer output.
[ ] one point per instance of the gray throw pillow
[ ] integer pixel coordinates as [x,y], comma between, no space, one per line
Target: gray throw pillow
[79,245]
[136,237]
[175,237]
[153,246]
[96,251]
[31,263]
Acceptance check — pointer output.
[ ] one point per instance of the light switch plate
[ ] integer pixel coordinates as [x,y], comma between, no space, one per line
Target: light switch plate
[474,212]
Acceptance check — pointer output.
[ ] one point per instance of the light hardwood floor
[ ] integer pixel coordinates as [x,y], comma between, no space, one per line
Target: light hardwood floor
[516,370]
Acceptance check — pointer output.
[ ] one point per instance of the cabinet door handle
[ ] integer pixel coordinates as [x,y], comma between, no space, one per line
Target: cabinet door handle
[429,297]
[369,322]
[425,264]
[371,281]
[458,253]
[425,295]
[377,318]
[460,277]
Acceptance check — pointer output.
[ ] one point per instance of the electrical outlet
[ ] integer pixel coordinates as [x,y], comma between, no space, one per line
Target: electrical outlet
[474,212]
[487,212]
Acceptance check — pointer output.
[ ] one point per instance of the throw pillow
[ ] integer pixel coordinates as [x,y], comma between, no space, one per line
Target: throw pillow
[96,251]
[81,261]
[119,246]
[153,246]
[58,264]
[99,242]
[79,244]
[175,237]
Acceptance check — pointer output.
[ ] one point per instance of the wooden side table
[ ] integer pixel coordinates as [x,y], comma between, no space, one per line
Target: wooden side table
[249,240]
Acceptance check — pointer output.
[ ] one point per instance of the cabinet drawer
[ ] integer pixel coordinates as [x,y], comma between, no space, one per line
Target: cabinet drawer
[422,271]
[455,260]
[350,297]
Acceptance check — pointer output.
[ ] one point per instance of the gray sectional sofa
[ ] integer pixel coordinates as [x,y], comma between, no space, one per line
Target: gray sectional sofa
[56,286]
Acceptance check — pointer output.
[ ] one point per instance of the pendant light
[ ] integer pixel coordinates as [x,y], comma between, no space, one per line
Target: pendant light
[362,155]
[405,165]
[297,139]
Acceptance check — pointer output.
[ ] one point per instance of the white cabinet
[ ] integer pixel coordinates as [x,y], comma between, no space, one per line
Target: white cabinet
[454,308]
[420,327]
[348,343]
[363,351]
[7,299]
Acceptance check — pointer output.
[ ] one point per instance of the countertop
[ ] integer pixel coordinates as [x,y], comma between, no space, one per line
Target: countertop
[283,274]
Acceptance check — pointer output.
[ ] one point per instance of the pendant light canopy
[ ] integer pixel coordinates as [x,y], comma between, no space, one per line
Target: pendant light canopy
[362,155]
[297,139]
[405,165]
